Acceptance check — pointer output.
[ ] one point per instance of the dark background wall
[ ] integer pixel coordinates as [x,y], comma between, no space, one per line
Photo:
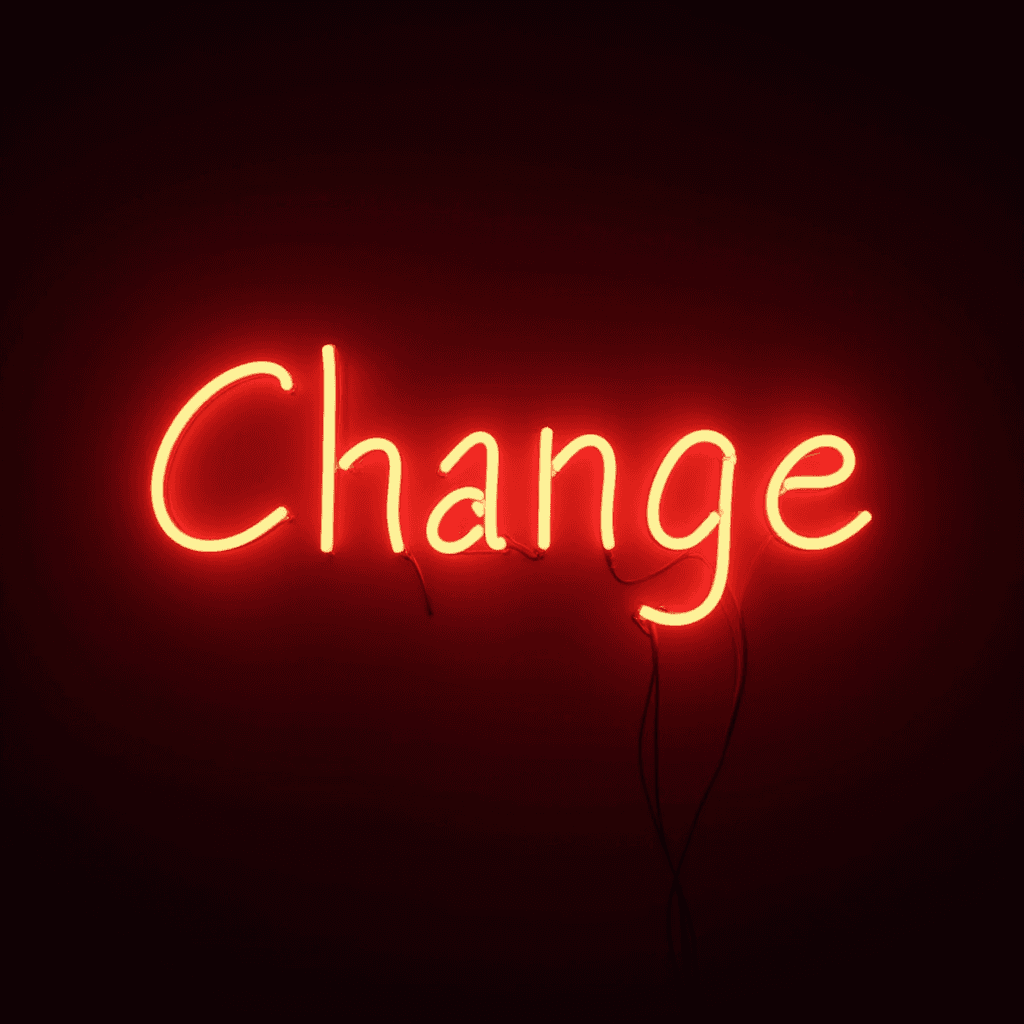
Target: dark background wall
[268,771]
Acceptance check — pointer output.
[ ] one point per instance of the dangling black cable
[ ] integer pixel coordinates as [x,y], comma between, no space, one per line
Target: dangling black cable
[676,896]
[533,554]
[643,579]
[409,556]
[740,650]
[741,681]
[653,806]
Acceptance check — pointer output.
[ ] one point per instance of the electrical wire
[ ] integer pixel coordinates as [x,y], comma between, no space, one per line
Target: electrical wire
[676,897]
[409,556]
[676,902]
[644,579]
[533,554]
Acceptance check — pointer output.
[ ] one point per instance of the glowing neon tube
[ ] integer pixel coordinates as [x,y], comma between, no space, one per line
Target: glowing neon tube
[722,519]
[453,547]
[170,439]
[328,448]
[550,468]
[382,444]
[781,482]
[484,502]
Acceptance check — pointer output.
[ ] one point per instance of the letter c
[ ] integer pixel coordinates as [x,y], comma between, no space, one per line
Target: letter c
[174,432]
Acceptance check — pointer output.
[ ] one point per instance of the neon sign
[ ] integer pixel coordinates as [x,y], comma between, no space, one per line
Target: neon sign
[484,502]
